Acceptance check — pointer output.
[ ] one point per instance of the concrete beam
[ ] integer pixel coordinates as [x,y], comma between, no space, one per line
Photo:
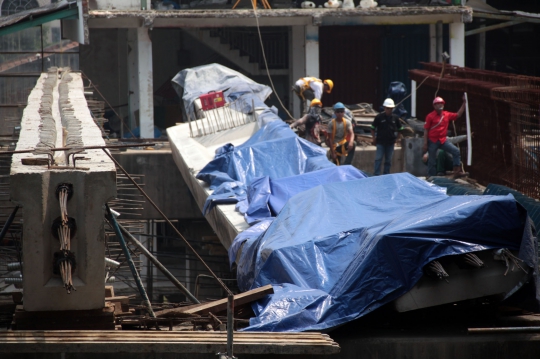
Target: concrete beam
[34,188]
[280,17]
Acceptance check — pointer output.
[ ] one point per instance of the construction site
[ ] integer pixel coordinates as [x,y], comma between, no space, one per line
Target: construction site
[160,197]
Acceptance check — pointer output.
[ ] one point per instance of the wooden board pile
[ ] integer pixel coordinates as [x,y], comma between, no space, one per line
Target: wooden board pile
[165,342]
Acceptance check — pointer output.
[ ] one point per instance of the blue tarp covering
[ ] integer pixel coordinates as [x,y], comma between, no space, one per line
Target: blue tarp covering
[266,196]
[191,83]
[341,250]
[274,151]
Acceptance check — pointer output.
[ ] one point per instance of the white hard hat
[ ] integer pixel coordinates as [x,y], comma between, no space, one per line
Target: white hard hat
[389,103]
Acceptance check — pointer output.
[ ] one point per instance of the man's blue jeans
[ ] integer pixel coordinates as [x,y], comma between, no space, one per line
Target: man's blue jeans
[387,151]
[432,155]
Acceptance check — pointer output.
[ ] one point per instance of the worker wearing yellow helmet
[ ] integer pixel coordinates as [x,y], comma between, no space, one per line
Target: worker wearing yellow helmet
[312,122]
[309,88]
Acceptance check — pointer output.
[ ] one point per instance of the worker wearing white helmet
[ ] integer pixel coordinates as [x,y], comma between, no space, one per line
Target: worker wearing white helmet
[384,131]
[309,88]
[435,132]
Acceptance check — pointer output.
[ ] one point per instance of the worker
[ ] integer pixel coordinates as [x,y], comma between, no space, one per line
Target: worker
[383,130]
[445,160]
[435,130]
[340,138]
[312,121]
[309,88]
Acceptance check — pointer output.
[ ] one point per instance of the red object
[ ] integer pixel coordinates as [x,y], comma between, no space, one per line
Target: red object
[212,100]
[438,100]
[437,125]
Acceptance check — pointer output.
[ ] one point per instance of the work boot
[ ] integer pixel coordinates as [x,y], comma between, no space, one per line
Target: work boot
[457,172]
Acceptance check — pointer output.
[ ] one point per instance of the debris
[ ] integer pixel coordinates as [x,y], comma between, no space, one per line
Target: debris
[218,305]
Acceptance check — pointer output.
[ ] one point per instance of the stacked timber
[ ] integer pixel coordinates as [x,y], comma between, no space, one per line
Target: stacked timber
[165,342]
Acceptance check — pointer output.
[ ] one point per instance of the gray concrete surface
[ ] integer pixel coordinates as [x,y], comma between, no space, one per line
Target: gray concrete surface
[34,188]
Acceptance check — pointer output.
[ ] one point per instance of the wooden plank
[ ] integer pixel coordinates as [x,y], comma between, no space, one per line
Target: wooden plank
[105,347]
[120,299]
[220,305]
[165,336]
[109,291]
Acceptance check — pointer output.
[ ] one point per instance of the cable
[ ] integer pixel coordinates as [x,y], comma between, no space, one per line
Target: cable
[254,3]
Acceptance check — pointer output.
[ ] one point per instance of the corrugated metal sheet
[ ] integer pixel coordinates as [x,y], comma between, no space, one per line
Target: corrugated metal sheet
[403,47]
[350,56]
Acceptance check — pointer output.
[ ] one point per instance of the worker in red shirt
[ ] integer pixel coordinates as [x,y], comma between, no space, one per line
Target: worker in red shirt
[435,131]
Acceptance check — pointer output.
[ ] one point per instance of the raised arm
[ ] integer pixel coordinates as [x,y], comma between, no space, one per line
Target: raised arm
[299,122]
[462,108]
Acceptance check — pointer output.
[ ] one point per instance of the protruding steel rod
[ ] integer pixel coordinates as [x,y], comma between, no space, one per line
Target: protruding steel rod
[142,291]
[158,264]
[80,148]
[8,223]
[227,290]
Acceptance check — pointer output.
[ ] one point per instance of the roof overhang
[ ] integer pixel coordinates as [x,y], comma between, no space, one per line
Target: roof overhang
[279,17]
[69,12]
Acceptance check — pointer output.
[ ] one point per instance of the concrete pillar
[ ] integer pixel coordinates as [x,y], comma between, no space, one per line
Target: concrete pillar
[123,86]
[133,84]
[432,42]
[457,44]
[481,50]
[140,79]
[297,63]
[413,98]
[439,41]
[146,83]
[34,188]
[312,51]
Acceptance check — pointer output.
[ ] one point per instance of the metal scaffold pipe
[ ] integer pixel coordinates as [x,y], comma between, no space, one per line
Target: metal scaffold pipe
[158,264]
[118,232]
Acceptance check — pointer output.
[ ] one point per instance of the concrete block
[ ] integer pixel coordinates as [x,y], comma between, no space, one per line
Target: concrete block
[412,156]
[364,159]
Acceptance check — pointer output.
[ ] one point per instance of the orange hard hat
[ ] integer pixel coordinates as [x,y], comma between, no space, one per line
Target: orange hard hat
[316,102]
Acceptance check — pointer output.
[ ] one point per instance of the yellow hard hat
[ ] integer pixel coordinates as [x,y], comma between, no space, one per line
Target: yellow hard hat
[316,102]
[330,84]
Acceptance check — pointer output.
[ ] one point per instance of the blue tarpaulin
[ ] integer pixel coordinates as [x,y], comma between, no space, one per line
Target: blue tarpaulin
[274,151]
[266,196]
[339,251]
